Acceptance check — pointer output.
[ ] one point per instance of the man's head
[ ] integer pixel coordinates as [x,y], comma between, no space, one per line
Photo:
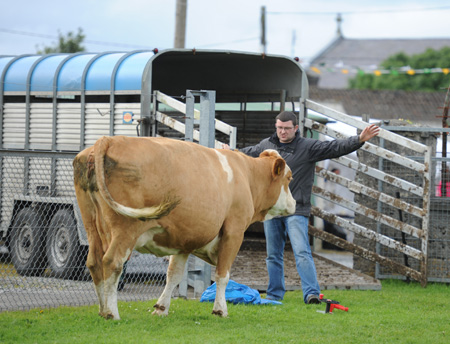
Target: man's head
[286,124]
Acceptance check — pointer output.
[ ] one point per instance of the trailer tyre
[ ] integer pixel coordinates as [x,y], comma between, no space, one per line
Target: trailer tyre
[27,240]
[66,257]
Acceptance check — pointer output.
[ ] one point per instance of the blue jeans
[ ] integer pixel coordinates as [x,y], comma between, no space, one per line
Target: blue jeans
[276,231]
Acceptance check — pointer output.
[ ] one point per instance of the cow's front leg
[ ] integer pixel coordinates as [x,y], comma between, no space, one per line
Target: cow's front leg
[220,303]
[228,248]
[175,273]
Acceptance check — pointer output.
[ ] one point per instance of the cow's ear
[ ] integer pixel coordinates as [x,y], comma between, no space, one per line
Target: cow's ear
[278,167]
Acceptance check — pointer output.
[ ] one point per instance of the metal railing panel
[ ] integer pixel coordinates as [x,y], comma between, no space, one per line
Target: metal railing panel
[417,229]
[384,134]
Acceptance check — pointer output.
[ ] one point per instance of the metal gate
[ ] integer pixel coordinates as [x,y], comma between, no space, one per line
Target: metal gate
[199,126]
[401,195]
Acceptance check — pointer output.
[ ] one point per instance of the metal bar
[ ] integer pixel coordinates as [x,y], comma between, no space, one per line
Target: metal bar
[175,104]
[180,127]
[189,121]
[207,125]
[174,124]
[38,154]
[26,174]
[367,233]
[416,129]
[380,175]
[201,275]
[181,107]
[153,121]
[302,117]
[53,177]
[233,138]
[303,111]
[370,213]
[421,148]
[426,217]
[112,102]
[368,147]
[55,105]
[379,205]
[362,189]
[282,100]
[362,252]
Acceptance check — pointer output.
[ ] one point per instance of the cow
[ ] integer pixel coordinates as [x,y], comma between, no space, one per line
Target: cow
[172,198]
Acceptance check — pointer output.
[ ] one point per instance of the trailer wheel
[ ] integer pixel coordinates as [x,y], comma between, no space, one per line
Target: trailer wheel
[27,240]
[66,257]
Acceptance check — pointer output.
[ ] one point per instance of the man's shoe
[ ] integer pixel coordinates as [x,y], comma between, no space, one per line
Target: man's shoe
[312,300]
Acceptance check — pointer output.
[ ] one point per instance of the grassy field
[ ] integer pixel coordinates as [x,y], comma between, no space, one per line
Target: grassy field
[399,313]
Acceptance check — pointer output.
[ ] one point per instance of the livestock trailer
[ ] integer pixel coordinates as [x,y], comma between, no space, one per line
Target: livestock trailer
[53,106]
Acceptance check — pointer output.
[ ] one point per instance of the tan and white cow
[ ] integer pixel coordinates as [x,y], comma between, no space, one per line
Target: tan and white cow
[169,197]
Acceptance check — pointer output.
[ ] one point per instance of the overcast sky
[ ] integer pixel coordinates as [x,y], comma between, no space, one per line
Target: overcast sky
[293,27]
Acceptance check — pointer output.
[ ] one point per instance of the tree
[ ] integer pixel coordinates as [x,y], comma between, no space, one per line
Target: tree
[400,81]
[71,43]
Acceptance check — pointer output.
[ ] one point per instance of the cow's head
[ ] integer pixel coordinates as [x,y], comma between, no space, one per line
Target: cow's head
[281,175]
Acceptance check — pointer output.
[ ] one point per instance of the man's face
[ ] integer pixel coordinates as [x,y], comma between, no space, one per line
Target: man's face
[285,131]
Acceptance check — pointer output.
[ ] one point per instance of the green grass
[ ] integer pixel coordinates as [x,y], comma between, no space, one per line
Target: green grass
[399,313]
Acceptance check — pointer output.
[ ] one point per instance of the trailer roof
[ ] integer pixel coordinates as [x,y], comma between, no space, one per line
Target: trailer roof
[230,73]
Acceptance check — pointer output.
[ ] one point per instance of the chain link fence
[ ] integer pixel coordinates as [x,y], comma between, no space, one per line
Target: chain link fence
[43,244]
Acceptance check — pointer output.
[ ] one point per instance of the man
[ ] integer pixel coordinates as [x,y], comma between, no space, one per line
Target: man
[301,155]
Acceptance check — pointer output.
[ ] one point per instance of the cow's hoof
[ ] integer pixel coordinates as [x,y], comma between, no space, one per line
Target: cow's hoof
[159,307]
[159,310]
[220,313]
[109,316]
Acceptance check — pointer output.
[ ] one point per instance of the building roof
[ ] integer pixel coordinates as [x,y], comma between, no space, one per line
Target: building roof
[423,108]
[364,54]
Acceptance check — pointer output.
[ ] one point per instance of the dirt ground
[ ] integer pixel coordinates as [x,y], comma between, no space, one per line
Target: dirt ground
[250,269]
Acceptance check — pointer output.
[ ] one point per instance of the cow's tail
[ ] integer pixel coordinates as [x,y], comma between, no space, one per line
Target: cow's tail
[148,213]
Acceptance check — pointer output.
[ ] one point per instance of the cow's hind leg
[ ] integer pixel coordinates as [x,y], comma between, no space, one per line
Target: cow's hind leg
[94,260]
[95,254]
[174,276]
[113,262]
[95,266]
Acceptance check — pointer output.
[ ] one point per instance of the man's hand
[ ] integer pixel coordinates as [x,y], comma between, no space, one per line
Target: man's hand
[369,132]
[225,146]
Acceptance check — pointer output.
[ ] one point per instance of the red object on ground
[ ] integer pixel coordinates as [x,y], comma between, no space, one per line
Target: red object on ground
[332,304]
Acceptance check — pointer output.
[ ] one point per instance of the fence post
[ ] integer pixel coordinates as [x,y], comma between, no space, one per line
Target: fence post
[207,118]
[189,122]
[197,272]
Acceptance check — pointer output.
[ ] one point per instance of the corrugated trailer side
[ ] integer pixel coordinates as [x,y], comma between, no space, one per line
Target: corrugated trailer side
[53,106]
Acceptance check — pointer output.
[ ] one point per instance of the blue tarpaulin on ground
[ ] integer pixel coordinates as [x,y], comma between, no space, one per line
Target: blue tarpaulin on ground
[237,293]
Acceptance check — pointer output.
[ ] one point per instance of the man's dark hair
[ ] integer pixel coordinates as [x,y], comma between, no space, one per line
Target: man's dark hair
[287,116]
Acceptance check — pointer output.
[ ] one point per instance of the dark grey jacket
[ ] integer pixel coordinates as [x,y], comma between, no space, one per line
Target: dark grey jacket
[301,155]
